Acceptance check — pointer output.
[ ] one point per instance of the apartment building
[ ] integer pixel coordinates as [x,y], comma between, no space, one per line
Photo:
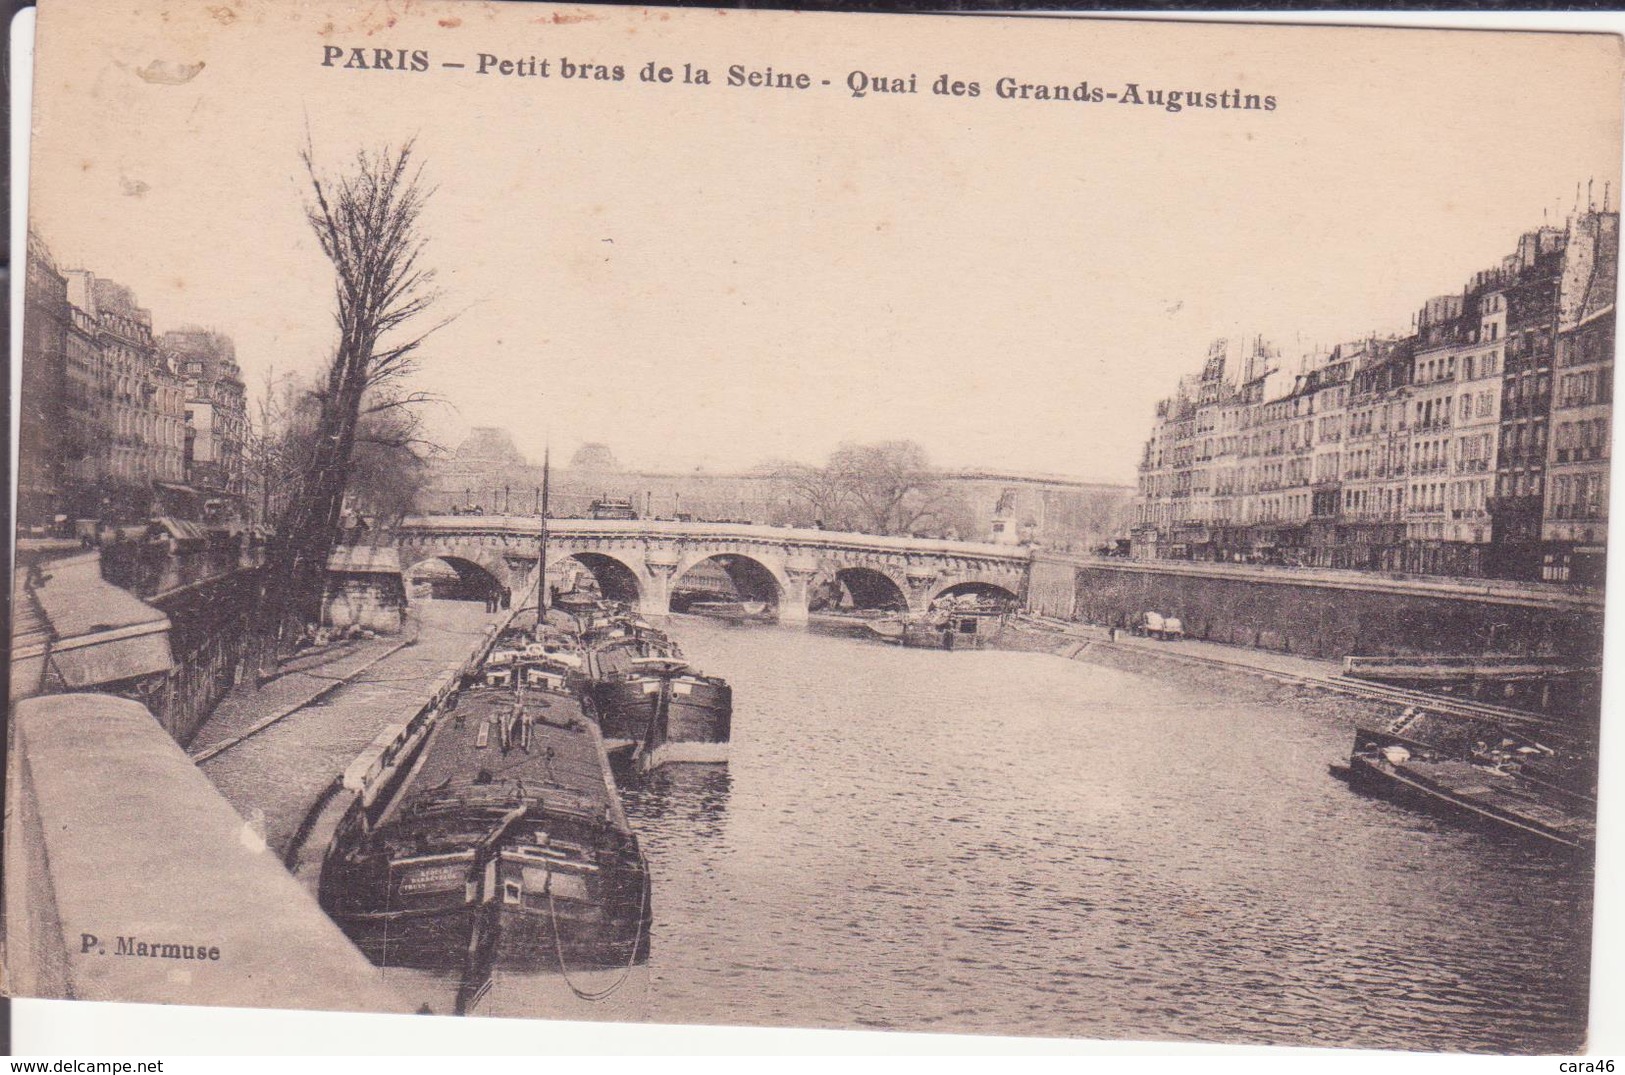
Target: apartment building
[1427,453]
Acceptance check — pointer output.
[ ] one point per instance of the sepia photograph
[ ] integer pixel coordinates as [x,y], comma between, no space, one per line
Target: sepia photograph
[1087,528]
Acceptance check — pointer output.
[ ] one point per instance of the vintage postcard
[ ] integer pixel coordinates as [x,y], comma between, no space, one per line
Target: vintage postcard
[1062,527]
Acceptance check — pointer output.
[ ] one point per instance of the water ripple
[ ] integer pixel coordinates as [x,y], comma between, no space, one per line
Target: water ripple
[1012,843]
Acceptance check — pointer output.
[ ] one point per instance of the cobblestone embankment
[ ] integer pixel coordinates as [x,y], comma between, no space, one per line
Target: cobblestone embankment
[274,776]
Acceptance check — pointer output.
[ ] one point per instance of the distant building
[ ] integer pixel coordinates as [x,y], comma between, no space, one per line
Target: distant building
[1533,274]
[216,431]
[145,413]
[1450,451]
[487,473]
[103,411]
[1445,329]
[88,433]
[1575,528]
[1376,450]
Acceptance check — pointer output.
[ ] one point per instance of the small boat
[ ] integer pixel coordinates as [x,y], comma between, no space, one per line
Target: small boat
[967,622]
[506,847]
[743,611]
[1482,788]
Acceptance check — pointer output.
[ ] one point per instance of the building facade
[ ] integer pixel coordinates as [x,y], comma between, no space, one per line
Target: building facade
[46,317]
[146,413]
[1376,465]
[103,409]
[1574,530]
[1449,451]
[216,429]
[1533,273]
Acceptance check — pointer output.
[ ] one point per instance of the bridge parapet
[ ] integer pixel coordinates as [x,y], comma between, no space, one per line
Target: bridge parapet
[671,529]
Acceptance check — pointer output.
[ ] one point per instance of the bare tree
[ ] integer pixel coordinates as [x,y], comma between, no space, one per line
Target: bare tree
[367,222]
[390,466]
[268,453]
[816,495]
[893,487]
[888,487]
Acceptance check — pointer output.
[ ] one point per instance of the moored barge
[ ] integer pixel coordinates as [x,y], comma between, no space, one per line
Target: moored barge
[968,622]
[1485,788]
[506,846]
[654,707]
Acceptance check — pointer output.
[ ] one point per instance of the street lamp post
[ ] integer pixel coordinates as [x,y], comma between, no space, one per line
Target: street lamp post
[541,552]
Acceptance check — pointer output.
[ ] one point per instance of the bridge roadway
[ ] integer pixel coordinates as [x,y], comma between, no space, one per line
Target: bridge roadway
[644,560]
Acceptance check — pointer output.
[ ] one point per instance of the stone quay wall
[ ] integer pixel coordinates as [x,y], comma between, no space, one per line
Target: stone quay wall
[208,629]
[1326,614]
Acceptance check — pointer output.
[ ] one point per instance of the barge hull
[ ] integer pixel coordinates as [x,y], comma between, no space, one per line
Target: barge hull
[1403,784]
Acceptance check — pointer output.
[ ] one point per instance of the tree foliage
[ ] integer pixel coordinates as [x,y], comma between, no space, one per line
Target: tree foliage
[388,468]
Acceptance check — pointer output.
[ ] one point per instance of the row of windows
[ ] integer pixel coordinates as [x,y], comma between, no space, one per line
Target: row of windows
[1581,496]
[1587,346]
[1465,454]
[1524,440]
[1586,388]
[1586,439]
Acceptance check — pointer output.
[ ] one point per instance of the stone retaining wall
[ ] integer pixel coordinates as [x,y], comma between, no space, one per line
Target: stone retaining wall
[1324,618]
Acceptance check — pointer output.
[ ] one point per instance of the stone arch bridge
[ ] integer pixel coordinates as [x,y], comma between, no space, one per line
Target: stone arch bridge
[644,560]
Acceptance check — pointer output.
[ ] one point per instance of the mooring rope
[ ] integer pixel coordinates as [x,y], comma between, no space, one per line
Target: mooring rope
[558,947]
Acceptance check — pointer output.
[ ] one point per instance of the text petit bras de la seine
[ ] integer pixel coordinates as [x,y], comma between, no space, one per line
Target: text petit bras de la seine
[859,84]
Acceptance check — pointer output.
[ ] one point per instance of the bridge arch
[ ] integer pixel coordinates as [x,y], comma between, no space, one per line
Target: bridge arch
[980,586]
[752,578]
[617,579]
[473,579]
[871,587]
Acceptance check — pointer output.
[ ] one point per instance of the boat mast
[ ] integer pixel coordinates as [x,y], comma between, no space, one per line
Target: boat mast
[541,570]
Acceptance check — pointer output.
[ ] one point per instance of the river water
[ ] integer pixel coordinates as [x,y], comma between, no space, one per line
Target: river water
[1007,842]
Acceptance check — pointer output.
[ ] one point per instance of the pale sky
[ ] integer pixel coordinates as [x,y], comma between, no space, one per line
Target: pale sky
[716,276]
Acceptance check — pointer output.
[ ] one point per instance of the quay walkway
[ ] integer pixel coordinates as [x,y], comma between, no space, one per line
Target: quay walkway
[328,710]
[1303,671]
[1264,662]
